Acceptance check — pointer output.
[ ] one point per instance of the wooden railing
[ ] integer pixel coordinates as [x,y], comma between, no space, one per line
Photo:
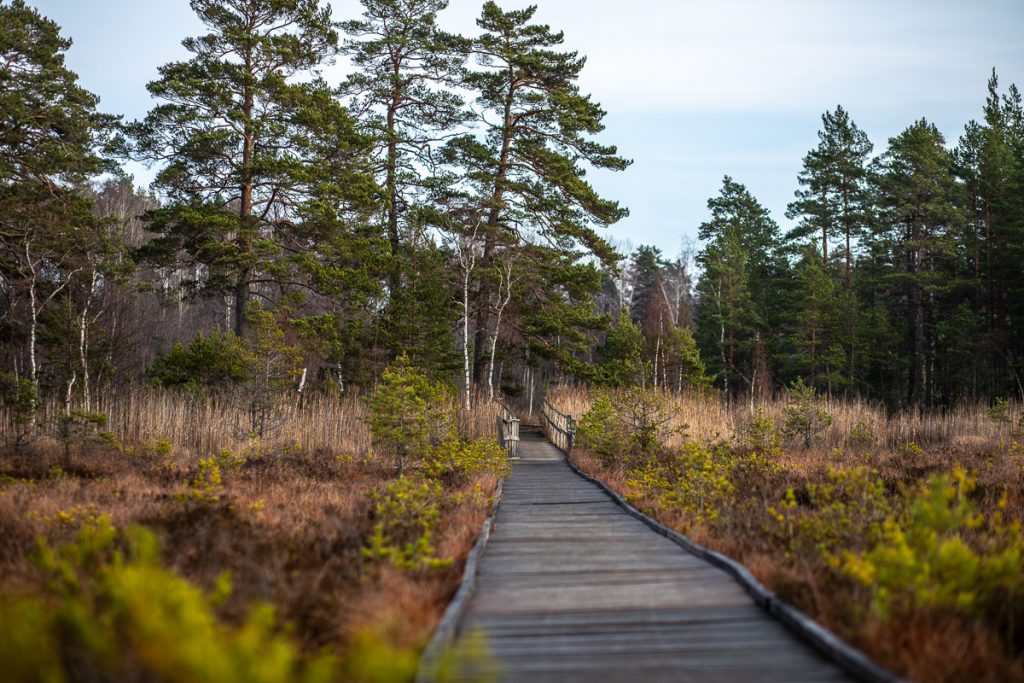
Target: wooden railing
[559,427]
[508,432]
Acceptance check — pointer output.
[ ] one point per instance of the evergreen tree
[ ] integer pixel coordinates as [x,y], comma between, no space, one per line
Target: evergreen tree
[526,174]
[918,196]
[727,318]
[622,354]
[230,135]
[818,332]
[647,264]
[988,162]
[404,61]
[50,137]
[834,200]
[739,321]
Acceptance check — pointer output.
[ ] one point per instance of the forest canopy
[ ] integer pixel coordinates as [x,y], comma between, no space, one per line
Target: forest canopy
[436,203]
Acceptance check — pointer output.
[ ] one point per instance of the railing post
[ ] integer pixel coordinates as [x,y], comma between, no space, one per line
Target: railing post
[570,424]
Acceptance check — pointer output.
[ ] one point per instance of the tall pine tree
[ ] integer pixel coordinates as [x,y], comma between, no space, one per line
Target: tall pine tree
[527,173]
[229,136]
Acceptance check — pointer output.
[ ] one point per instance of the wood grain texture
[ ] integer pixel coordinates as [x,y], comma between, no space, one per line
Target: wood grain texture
[572,588]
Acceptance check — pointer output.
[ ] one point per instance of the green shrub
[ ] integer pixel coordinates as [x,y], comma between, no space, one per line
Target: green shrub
[407,512]
[845,512]
[627,424]
[695,481]
[941,554]
[761,434]
[862,436]
[216,361]
[20,397]
[599,432]
[207,486]
[111,612]
[803,416]
[456,457]
[1000,411]
[408,412]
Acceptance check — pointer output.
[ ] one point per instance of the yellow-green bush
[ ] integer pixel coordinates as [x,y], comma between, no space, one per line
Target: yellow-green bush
[206,486]
[696,480]
[112,612]
[407,512]
[941,553]
[461,458]
[844,513]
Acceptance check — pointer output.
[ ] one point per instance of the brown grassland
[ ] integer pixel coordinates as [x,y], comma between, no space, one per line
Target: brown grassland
[289,518]
[826,526]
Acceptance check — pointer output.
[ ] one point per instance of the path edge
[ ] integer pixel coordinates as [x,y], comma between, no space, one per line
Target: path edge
[849,658]
[444,634]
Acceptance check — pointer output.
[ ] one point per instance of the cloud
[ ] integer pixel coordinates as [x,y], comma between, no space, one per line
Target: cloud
[753,55]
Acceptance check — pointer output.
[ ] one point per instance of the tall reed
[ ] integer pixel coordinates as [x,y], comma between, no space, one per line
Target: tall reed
[706,416]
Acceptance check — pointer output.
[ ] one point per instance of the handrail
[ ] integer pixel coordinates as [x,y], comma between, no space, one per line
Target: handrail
[558,427]
[508,432]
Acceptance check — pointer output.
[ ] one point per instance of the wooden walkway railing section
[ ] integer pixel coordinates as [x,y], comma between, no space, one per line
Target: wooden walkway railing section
[508,432]
[558,427]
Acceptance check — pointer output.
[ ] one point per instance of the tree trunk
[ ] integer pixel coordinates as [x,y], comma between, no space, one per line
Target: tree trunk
[391,187]
[245,203]
[493,222]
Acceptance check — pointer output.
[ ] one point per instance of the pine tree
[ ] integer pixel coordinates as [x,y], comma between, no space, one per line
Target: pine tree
[404,64]
[647,264]
[50,138]
[835,197]
[727,317]
[622,354]
[818,332]
[918,196]
[739,321]
[526,174]
[229,136]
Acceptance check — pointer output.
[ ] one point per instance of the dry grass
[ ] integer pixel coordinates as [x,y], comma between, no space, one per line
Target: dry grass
[926,646]
[965,427]
[290,524]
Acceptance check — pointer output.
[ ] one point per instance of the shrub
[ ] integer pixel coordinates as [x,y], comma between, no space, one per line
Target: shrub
[599,432]
[911,449]
[761,434]
[20,397]
[845,512]
[407,512]
[216,361]
[803,417]
[696,481]
[80,427]
[627,424]
[456,457]
[1000,411]
[408,412]
[862,437]
[941,553]
[206,486]
[111,612]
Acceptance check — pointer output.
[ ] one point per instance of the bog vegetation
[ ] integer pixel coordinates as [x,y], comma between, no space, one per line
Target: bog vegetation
[259,395]
[903,534]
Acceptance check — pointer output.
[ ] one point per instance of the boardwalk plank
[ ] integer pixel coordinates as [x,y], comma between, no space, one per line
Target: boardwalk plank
[571,588]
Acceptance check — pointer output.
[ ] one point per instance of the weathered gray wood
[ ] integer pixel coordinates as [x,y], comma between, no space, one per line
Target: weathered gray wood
[572,588]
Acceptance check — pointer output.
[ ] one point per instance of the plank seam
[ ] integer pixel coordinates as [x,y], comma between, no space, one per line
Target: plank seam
[849,658]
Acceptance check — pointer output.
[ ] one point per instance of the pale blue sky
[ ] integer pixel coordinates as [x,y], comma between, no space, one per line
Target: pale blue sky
[694,90]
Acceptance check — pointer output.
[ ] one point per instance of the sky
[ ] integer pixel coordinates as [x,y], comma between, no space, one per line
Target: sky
[694,89]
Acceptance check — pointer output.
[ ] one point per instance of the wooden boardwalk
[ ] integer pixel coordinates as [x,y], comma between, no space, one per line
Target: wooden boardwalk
[572,588]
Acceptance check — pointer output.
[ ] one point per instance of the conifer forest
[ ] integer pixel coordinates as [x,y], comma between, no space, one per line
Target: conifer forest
[247,411]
